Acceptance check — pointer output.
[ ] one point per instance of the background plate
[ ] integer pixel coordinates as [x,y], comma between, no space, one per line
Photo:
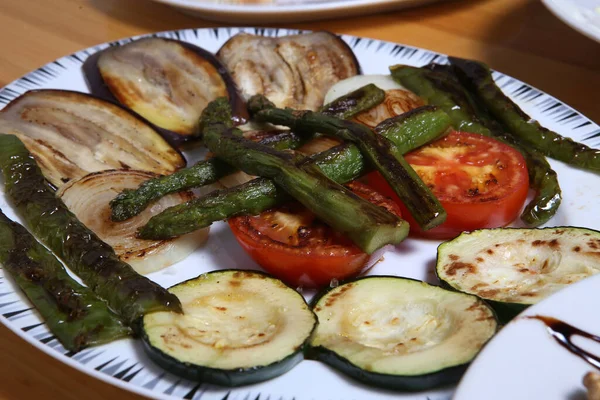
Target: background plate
[281,11]
[123,363]
[581,15]
[524,362]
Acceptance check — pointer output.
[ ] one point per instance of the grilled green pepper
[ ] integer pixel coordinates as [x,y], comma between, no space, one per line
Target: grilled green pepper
[367,225]
[130,203]
[342,164]
[479,79]
[72,312]
[128,293]
[353,103]
[439,86]
[378,150]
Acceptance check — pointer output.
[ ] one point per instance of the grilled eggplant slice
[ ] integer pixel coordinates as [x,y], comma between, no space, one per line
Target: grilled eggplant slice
[71,134]
[166,81]
[400,333]
[237,327]
[513,268]
[292,71]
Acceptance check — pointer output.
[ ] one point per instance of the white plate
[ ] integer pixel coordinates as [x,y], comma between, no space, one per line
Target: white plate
[524,362]
[581,15]
[281,11]
[124,364]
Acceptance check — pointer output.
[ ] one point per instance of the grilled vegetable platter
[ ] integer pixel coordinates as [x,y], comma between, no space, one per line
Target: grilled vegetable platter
[236,213]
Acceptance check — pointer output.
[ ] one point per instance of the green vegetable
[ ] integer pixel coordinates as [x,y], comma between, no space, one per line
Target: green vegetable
[128,293]
[378,150]
[438,85]
[515,268]
[368,226]
[438,91]
[342,164]
[131,202]
[529,131]
[72,312]
[229,339]
[355,102]
[399,333]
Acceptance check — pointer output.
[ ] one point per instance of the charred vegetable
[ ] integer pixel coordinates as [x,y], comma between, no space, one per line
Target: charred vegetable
[292,71]
[355,102]
[442,89]
[89,197]
[131,202]
[166,81]
[128,293]
[479,78]
[399,333]
[342,164]
[380,152]
[72,134]
[396,99]
[542,178]
[238,327]
[368,226]
[292,244]
[72,312]
[514,268]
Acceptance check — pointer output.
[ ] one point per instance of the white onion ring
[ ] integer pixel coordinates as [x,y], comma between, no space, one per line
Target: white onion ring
[88,198]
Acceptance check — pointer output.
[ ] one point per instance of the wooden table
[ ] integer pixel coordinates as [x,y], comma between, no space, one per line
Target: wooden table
[518,37]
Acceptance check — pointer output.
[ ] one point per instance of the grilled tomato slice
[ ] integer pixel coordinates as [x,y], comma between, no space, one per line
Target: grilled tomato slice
[481,183]
[292,244]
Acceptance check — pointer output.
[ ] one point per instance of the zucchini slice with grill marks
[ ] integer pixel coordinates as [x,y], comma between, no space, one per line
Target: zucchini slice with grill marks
[400,333]
[237,327]
[513,268]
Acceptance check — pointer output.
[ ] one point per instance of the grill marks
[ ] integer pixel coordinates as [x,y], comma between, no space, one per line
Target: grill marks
[293,71]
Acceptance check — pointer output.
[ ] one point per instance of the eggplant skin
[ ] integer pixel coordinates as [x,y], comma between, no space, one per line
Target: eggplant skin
[292,71]
[71,134]
[168,82]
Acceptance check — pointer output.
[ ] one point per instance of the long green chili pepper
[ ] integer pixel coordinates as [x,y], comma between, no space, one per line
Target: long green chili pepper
[130,203]
[129,294]
[349,105]
[439,86]
[342,164]
[369,226]
[72,312]
[550,143]
[378,150]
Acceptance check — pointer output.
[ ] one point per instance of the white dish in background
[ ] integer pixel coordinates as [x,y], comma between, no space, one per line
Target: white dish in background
[581,15]
[124,364]
[524,362]
[281,11]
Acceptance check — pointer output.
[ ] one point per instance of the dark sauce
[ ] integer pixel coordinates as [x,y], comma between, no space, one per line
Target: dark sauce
[563,332]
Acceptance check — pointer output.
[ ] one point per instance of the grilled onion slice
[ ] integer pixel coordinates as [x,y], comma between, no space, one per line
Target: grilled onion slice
[88,198]
[71,134]
[292,71]
[166,81]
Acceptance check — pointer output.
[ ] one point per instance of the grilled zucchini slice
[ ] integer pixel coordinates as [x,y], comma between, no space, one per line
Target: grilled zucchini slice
[513,268]
[400,333]
[237,327]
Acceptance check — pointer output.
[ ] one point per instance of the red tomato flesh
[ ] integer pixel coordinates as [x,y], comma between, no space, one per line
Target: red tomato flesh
[293,245]
[480,182]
